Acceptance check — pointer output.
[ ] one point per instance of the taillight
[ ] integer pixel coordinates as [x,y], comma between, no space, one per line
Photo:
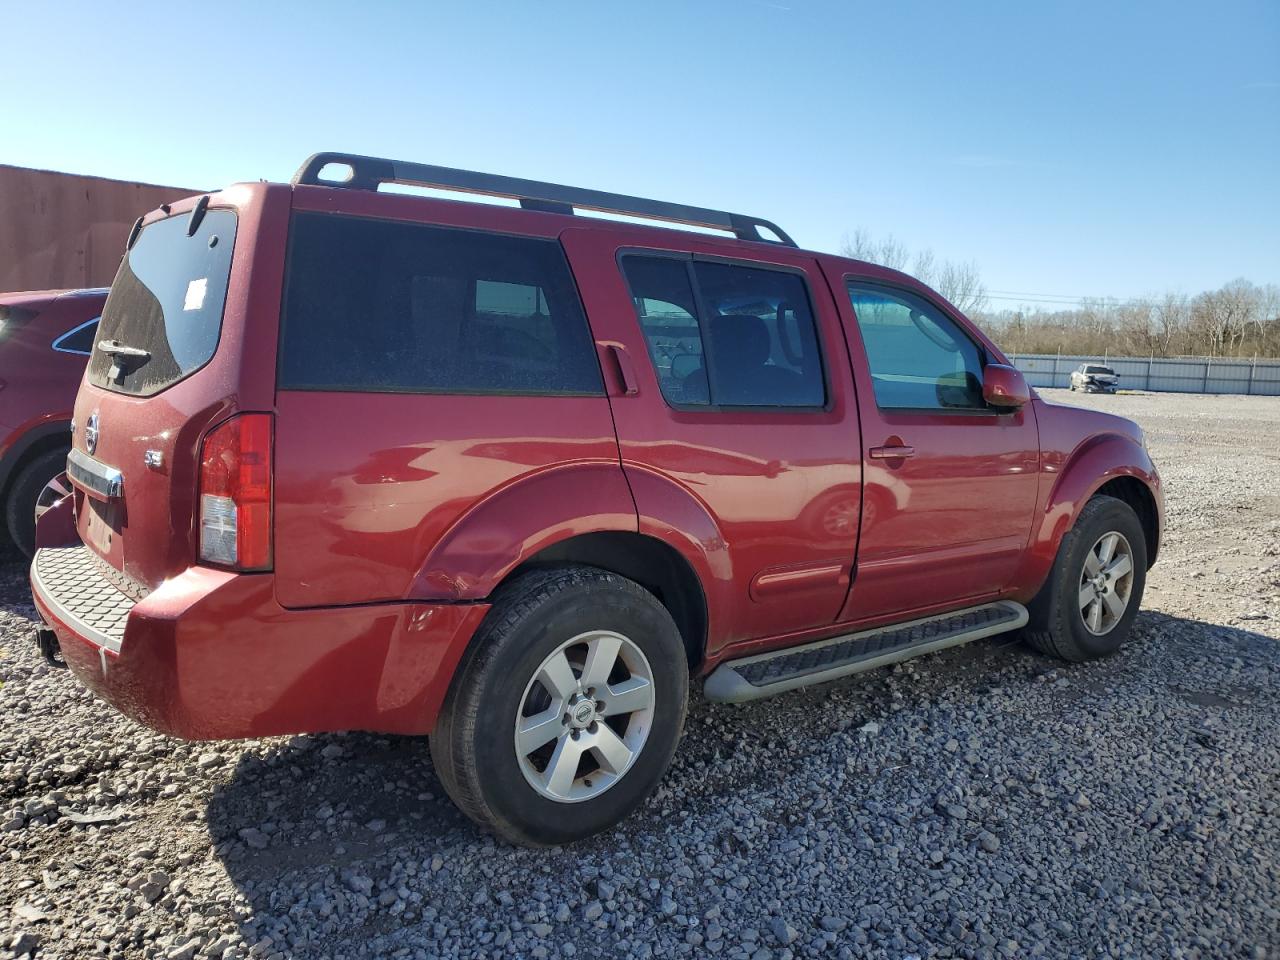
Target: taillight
[235,493]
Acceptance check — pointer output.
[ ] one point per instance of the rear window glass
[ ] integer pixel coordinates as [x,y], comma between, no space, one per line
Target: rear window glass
[164,311]
[378,305]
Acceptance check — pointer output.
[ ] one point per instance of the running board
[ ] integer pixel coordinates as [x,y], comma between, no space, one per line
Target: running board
[765,674]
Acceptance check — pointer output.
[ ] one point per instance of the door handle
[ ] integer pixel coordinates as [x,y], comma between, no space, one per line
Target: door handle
[623,367]
[891,453]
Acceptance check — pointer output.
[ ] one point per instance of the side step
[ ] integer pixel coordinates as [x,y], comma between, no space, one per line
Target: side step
[765,674]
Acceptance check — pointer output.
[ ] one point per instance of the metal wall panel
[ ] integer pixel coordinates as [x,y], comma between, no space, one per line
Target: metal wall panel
[1174,375]
[62,230]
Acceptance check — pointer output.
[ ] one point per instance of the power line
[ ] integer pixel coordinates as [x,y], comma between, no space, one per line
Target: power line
[1053,296]
[1063,300]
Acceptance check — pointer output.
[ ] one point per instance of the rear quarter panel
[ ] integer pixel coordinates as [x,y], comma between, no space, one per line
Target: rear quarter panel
[396,496]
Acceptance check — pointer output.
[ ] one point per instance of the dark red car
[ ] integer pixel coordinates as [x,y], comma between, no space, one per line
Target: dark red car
[45,338]
[347,459]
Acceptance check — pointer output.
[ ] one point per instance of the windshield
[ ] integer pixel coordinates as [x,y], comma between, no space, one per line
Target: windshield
[1097,369]
[163,316]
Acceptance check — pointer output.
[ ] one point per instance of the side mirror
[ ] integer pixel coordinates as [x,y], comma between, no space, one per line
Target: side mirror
[1004,386]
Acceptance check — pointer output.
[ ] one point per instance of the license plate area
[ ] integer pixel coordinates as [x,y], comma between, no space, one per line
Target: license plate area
[104,524]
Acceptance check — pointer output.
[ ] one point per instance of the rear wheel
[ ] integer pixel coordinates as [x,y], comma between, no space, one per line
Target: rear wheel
[1087,606]
[567,708]
[24,497]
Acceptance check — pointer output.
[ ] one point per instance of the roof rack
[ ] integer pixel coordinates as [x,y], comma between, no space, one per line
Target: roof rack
[367,173]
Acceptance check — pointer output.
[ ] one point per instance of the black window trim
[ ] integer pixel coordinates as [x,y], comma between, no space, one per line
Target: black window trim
[424,392]
[690,258]
[984,355]
[57,341]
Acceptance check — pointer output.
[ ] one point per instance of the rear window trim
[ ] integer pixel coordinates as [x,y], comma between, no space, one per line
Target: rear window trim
[555,241]
[767,410]
[404,391]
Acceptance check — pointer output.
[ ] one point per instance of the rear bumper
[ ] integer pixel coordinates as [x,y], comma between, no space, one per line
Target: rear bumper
[210,655]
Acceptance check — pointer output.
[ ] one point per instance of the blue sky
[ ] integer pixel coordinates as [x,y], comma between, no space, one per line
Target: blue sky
[1083,149]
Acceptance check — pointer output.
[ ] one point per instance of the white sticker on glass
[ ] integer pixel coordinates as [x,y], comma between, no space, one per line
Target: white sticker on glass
[195,294]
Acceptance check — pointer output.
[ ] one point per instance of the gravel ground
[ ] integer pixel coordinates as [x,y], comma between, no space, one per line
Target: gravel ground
[983,802]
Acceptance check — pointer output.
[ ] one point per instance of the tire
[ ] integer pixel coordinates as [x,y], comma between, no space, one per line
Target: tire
[501,682]
[20,504]
[1061,622]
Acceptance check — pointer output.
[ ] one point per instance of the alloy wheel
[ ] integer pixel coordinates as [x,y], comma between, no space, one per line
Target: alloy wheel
[52,493]
[584,716]
[1106,583]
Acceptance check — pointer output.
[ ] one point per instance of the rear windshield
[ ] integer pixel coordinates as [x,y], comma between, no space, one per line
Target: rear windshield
[164,313]
[385,306]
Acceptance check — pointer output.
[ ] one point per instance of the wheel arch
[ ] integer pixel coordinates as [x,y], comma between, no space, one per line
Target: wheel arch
[657,566]
[516,522]
[1109,464]
[42,438]
[1129,489]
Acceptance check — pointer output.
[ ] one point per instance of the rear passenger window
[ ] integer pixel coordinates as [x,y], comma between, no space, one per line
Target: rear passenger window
[727,335]
[378,305]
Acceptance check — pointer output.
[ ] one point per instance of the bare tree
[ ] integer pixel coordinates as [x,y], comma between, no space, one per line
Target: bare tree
[1239,319]
[887,252]
[962,285]
[959,283]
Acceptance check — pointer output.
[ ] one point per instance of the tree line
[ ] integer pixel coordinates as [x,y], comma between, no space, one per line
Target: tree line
[1239,319]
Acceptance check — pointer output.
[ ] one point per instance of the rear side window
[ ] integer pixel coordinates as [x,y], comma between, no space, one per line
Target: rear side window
[384,306]
[79,339]
[919,358]
[727,335]
[164,311]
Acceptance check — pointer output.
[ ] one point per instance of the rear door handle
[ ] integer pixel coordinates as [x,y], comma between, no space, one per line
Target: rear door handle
[891,453]
[623,367]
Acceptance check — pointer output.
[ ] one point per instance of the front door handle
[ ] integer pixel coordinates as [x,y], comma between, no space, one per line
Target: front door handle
[891,452]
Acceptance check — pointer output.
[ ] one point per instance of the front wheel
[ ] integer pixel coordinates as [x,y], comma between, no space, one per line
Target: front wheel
[567,708]
[1087,605]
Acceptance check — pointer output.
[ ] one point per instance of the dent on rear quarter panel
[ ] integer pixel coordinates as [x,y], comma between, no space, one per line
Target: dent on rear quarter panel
[515,522]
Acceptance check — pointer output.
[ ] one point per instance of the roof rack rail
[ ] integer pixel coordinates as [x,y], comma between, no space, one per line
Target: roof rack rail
[367,173]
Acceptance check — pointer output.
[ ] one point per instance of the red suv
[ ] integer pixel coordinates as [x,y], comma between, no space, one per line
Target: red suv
[45,338]
[346,459]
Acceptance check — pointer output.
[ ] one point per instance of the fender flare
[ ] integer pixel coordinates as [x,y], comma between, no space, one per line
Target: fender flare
[675,515]
[1095,462]
[517,521]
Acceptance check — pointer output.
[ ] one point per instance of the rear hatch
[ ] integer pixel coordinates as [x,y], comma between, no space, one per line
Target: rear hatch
[174,357]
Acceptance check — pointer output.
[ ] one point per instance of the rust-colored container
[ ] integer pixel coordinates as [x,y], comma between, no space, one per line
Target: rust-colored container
[63,230]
